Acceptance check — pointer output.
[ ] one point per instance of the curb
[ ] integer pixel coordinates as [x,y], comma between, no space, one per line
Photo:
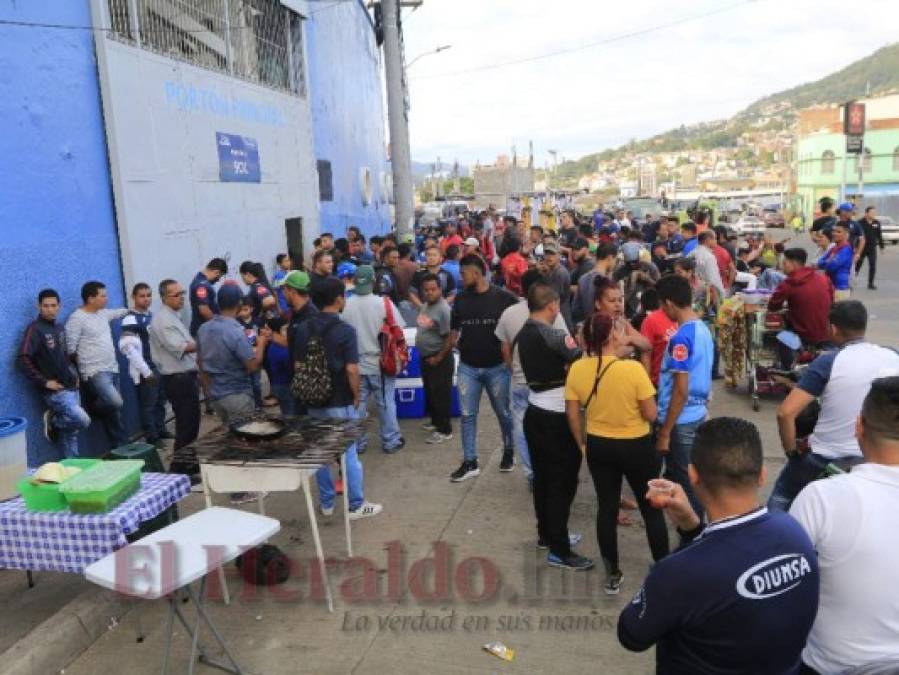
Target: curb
[59,640]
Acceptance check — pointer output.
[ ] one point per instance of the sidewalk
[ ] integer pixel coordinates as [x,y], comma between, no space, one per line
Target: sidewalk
[554,620]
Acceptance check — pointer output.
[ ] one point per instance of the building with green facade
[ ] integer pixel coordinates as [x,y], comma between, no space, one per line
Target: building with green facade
[823,167]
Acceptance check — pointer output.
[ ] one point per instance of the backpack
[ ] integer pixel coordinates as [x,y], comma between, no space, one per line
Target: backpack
[392,340]
[311,381]
[264,565]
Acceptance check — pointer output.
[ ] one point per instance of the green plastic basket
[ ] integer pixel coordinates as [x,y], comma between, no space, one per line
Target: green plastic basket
[46,496]
[103,487]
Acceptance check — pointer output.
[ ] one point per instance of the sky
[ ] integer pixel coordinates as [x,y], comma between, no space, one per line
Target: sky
[660,64]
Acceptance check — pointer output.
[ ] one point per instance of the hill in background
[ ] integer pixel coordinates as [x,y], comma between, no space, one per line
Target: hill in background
[873,75]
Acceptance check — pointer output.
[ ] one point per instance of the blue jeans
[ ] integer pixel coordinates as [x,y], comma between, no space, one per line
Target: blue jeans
[107,400]
[678,458]
[285,399]
[519,406]
[472,381]
[256,381]
[385,402]
[355,476]
[67,417]
[152,407]
[799,471]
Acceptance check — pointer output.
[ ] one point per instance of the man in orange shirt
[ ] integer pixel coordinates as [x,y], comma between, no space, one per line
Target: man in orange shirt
[658,329]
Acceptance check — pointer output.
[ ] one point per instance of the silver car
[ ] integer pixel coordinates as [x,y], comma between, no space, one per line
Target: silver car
[889,230]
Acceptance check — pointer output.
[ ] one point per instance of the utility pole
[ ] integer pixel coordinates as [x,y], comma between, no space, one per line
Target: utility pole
[398,114]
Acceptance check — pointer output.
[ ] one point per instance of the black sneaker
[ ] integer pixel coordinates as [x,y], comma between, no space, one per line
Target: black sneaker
[51,433]
[613,582]
[872,287]
[508,461]
[569,562]
[465,471]
[573,540]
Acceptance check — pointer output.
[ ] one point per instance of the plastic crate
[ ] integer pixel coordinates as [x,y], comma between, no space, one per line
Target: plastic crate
[103,487]
[46,496]
[144,451]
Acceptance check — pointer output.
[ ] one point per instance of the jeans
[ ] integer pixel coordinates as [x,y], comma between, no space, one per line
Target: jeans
[285,398]
[355,475]
[234,407]
[799,471]
[67,417]
[385,402]
[438,385]
[519,406]
[472,381]
[557,461]
[678,458]
[635,459]
[256,381]
[106,399]
[151,396]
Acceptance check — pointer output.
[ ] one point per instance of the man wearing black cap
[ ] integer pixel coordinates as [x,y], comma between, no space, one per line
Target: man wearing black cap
[582,261]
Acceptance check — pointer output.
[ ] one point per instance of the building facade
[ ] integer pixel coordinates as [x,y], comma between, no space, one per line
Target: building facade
[823,167]
[153,135]
[355,184]
[59,226]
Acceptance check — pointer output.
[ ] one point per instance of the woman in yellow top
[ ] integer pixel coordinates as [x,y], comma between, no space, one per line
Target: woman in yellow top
[620,406]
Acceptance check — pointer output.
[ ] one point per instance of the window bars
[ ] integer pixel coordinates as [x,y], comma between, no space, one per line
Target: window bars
[257,40]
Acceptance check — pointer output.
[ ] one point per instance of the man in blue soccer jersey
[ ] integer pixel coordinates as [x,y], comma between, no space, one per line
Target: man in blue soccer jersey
[685,382]
[740,597]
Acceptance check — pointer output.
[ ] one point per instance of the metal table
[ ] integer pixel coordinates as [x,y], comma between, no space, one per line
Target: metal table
[284,464]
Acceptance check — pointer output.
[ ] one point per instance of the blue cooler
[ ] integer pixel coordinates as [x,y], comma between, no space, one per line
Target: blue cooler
[410,399]
[413,368]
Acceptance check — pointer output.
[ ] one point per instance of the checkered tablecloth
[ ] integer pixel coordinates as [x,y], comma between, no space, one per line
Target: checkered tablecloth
[68,542]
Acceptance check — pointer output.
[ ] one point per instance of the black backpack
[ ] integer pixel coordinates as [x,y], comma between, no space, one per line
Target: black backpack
[311,381]
[264,565]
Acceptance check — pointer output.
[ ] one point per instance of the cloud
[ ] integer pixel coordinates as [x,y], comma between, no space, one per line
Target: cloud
[581,102]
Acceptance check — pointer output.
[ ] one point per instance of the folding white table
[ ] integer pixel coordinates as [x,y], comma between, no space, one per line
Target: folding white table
[172,558]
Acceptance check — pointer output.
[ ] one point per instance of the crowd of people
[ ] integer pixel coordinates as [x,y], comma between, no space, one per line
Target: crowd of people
[596,342]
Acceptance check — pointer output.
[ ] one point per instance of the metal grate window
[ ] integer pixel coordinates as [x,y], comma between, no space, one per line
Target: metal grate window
[325,181]
[258,40]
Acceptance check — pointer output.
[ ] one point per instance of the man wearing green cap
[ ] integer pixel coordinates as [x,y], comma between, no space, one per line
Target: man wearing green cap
[366,312]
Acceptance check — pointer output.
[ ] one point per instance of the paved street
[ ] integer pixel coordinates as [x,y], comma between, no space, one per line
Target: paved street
[554,621]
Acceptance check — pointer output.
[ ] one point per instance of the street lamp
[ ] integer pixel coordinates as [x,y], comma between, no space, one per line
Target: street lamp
[442,48]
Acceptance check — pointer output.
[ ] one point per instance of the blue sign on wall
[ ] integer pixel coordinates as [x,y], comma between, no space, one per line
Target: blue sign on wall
[238,158]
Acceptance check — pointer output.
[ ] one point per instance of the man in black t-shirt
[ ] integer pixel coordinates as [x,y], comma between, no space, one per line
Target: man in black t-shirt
[475,314]
[827,219]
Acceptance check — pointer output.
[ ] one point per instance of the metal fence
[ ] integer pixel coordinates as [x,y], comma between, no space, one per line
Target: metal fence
[258,40]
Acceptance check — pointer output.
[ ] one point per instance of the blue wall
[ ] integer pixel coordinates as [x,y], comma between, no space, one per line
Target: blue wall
[56,211]
[344,85]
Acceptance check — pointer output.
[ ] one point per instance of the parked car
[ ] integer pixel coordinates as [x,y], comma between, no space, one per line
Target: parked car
[889,229]
[749,225]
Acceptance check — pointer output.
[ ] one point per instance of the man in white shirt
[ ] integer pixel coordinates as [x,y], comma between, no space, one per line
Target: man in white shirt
[851,520]
[365,312]
[840,379]
[707,265]
[89,341]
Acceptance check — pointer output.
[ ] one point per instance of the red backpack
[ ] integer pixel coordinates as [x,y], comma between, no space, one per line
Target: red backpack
[394,352]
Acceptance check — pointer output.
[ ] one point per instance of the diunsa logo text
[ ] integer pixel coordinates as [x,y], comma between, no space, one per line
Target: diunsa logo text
[773,576]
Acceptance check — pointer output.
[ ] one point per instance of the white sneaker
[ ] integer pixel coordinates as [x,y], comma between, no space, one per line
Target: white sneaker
[366,510]
[437,437]
[326,512]
[427,426]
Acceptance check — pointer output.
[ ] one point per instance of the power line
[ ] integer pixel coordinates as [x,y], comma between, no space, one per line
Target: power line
[591,45]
